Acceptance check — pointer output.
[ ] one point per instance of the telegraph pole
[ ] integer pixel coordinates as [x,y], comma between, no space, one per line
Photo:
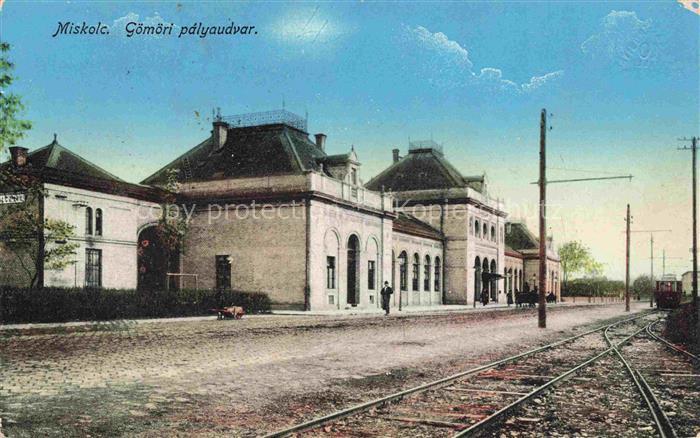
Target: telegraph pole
[542,182]
[651,295]
[542,311]
[651,234]
[627,263]
[693,148]
[695,228]
[663,264]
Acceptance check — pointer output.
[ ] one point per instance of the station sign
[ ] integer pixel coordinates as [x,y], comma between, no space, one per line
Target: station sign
[12,198]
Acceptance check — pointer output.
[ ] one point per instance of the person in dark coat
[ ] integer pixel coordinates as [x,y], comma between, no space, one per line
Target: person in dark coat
[510,298]
[534,297]
[484,296]
[386,296]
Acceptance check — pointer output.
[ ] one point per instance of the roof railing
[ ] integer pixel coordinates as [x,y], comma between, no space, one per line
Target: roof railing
[275,117]
[424,144]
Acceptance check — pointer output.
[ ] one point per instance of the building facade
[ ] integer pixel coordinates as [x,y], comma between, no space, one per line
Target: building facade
[268,210]
[105,212]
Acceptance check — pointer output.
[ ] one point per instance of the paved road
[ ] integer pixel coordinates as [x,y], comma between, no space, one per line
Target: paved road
[234,377]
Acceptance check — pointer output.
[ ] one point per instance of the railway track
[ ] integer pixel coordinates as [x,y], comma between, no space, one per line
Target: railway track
[669,377]
[473,401]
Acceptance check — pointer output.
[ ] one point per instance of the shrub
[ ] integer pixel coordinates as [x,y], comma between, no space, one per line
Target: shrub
[592,287]
[679,327]
[19,305]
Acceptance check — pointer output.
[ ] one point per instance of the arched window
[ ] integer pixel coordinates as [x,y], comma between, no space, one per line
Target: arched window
[438,271]
[477,228]
[486,231]
[88,221]
[416,271]
[427,270]
[493,233]
[98,222]
[403,274]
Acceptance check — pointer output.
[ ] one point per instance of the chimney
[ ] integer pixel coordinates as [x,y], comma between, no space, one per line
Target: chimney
[219,133]
[395,152]
[19,156]
[321,141]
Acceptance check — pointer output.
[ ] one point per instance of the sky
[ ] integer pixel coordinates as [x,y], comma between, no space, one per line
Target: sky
[619,81]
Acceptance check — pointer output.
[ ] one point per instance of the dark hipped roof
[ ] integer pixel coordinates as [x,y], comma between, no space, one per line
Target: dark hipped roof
[518,237]
[248,152]
[405,223]
[57,158]
[422,169]
[55,164]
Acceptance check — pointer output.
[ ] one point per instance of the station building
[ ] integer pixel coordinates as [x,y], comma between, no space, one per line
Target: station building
[269,210]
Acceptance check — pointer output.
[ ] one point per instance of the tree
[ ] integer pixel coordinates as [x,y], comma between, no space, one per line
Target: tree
[11,127]
[643,286]
[172,226]
[577,259]
[34,242]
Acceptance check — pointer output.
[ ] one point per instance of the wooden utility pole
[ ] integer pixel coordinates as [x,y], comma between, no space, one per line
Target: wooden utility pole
[693,148]
[651,234]
[651,295]
[542,182]
[696,310]
[542,310]
[627,263]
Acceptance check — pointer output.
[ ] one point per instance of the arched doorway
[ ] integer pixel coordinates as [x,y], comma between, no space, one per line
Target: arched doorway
[493,284]
[403,278]
[353,270]
[485,283]
[477,278]
[154,261]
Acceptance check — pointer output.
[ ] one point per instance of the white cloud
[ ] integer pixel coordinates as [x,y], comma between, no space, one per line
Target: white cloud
[441,44]
[539,81]
[457,68]
[624,39]
[307,26]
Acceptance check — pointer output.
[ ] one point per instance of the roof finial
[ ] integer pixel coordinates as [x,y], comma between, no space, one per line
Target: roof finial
[54,137]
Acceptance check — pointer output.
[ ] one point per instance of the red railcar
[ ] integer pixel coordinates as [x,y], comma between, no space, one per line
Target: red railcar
[668,294]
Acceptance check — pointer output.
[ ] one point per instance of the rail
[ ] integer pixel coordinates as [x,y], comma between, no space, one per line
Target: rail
[669,344]
[661,421]
[498,415]
[316,422]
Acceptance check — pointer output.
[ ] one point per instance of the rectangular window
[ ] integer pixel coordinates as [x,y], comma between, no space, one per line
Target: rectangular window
[331,299]
[330,272]
[93,267]
[371,274]
[354,176]
[223,272]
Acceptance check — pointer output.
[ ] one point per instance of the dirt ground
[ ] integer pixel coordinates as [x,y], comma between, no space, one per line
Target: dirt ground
[248,377]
